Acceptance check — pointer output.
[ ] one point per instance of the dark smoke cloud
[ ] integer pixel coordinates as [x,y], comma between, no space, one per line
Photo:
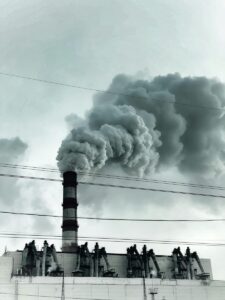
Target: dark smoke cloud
[150,125]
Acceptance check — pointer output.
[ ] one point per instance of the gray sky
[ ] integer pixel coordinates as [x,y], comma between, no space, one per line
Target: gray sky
[87,43]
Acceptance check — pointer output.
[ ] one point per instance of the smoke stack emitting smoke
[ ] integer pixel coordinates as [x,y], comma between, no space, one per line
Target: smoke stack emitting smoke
[69,226]
[142,128]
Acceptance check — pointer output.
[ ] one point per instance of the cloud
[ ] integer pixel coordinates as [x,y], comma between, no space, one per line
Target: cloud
[17,195]
[11,150]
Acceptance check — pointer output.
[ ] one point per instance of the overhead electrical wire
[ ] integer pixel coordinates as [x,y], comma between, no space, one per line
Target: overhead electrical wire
[115,186]
[153,189]
[110,239]
[112,219]
[30,177]
[26,167]
[110,176]
[106,91]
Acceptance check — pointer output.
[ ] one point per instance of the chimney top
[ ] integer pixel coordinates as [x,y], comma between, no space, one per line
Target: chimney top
[70,178]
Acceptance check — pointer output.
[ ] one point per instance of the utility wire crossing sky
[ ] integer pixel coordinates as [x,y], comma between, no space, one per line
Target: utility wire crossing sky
[107,91]
[113,219]
[108,176]
[114,186]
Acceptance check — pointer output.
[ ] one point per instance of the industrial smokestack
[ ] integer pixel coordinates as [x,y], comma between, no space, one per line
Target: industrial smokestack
[70,225]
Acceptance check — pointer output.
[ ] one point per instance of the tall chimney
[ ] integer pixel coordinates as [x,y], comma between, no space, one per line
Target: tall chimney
[70,225]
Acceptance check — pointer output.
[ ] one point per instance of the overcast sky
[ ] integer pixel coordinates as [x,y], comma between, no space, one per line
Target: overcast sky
[87,43]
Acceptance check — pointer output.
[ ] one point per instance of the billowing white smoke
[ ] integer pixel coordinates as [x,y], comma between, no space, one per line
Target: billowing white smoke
[151,124]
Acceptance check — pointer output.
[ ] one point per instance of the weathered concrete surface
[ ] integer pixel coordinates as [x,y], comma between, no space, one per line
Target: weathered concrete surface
[90,288]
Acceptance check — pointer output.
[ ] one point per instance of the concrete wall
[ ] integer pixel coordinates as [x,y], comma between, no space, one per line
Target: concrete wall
[117,261]
[89,288]
[6,268]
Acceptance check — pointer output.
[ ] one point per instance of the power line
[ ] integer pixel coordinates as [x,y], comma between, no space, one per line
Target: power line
[107,91]
[112,239]
[119,177]
[115,186]
[26,167]
[152,189]
[30,177]
[113,219]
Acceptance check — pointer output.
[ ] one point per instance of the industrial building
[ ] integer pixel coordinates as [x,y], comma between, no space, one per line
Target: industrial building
[90,274]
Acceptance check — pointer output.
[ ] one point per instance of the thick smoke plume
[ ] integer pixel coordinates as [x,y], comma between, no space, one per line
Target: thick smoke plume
[147,125]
